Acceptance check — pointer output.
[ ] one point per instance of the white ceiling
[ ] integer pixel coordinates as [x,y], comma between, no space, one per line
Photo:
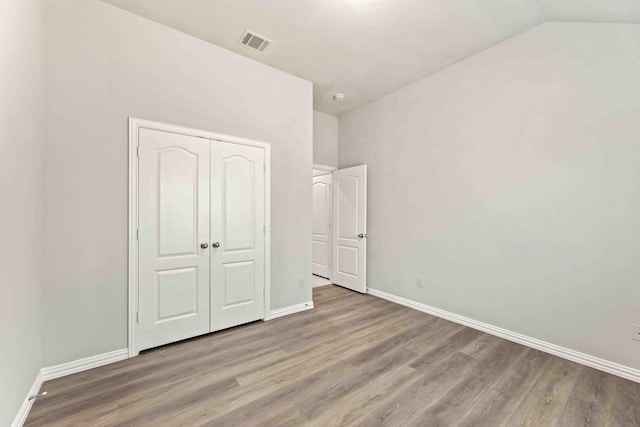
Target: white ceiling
[366,48]
[591,10]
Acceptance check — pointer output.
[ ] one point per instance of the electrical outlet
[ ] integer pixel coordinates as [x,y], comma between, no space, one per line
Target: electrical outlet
[301,282]
[420,282]
[635,332]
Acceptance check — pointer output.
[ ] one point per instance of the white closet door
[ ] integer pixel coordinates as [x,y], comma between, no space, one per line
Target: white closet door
[350,228]
[173,224]
[321,232]
[237,234]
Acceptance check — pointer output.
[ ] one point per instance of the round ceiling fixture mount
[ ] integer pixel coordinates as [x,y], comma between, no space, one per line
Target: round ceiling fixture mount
[338,97]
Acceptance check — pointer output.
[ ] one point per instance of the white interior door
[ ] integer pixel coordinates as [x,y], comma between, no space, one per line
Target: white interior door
[173,200]
[237,234]
[321,234]
[350,228]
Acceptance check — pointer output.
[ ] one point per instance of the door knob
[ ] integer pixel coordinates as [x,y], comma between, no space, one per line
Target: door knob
[216,244]
[204,245]
[362,236]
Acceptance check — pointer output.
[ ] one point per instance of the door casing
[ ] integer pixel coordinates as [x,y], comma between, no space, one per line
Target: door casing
[135,124]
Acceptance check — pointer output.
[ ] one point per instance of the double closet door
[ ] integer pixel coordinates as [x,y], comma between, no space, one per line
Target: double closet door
[201,221]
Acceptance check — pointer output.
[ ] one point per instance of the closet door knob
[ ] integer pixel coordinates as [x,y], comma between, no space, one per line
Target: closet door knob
[204,245]
[216,244]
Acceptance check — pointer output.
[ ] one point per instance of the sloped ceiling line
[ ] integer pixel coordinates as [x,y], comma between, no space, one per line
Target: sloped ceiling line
[367,48]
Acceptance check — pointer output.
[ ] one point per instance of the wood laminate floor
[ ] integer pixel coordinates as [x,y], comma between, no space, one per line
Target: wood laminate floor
[354,360]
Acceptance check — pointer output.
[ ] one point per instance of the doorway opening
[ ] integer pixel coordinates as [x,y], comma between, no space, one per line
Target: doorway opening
[339,232]
[321,234]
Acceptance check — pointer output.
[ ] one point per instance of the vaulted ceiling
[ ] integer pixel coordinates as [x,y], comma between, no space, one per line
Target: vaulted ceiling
[366,48]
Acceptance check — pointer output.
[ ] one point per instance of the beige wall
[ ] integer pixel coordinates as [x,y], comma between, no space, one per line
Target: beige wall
[511,182]
[103,65]
[21,187]
[325,139]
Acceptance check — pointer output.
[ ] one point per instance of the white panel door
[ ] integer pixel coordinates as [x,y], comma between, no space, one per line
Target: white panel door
[321,232]
[237,234]
[173,223]
[350,228]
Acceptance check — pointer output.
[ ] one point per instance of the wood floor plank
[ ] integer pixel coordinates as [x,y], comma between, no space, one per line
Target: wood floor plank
[588,403]
[353,360]
[436,333]
[546,400]
[444,411]
[391,343]
[358,404]
[357,379]
[257,404]
[625,402]
[426,387]
[266,384]
[500,400]
[354,342]
[455,342]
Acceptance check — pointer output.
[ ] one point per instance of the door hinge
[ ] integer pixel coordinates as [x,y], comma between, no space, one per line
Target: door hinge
[137,234]
[137,317]
[264,229]
[138,151]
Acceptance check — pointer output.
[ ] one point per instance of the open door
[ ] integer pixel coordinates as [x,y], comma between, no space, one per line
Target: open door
[350,228]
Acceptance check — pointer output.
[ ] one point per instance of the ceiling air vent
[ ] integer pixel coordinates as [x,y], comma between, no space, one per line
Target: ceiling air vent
[254,41]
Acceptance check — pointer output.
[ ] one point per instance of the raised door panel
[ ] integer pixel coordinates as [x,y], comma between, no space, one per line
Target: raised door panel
[320,220]
[177,186]
[348,193]
[239,201]
[237,226]
[239,283]
[347,260]
[176,294]
[320,257]
[173,221]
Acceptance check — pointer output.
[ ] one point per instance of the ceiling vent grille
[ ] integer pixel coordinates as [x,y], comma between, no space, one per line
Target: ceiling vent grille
[254,41]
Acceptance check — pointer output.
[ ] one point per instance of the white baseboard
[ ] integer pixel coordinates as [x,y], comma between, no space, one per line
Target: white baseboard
[53,372]
[292,309]
[21,417]
[566,353]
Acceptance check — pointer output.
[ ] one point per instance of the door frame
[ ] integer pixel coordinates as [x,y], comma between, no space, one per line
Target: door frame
[135,124]
[325,168]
